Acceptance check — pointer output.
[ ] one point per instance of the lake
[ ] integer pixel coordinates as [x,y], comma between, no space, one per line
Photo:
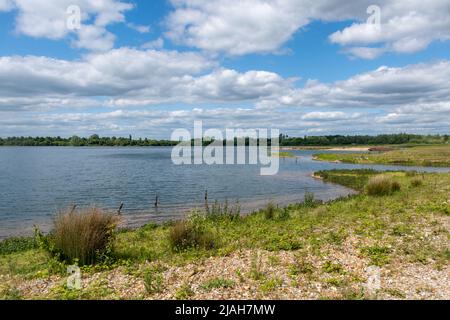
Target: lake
[36,182]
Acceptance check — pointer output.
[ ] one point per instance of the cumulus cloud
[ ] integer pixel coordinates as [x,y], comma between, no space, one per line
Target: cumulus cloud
[135,77]
[48,19]
[382,88]
[406,27]
[128,87]
[6,5]
[239,27]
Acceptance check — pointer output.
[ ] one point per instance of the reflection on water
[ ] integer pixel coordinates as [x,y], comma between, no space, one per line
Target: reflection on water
[36,182]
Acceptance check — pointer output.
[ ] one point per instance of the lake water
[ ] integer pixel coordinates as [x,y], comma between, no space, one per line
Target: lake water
[37,182]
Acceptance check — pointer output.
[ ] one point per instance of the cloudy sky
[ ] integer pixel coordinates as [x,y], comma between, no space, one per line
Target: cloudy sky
[306,67]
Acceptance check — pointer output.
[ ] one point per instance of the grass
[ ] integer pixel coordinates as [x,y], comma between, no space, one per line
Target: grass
[285,154]
[217,283]
[83,236]
[427,156]
[382,185]
[17,244]
[387,230]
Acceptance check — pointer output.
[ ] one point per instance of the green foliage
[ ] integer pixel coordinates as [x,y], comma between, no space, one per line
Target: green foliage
[225,211]
[191,233]
[331,267]
[153,281]
[217,283]
[379,256]
[184,292]
[382,186]
[355,179]
[416,183]
[256,272]
[10,293]
[17,244]
[269,211]
[270,285]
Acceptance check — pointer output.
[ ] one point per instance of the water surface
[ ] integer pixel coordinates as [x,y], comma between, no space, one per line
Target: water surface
[36,182]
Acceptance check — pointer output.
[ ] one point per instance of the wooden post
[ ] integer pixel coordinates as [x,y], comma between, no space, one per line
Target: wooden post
[156,201]
[206,201]
[120,208]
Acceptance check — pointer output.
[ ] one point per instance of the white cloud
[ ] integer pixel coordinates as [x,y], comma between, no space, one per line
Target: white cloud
[139,28]
[155,44]
[48,19]
[239,27]
[135,77]
[128,88]
[406,27]
[6,5]
[236,27]
[382,88]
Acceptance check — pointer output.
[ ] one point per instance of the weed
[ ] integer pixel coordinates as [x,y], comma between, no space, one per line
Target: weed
[378,256]
[217,283]
[330,267]
[190,233]
[184,292]
[269,211]
[153,282]
[270,285]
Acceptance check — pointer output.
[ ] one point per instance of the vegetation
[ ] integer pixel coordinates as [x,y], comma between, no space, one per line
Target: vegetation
[331,140]
[190,233]
[382,186]
[428,156]
[82,237]
[307,245]
[285,154]
[384,139]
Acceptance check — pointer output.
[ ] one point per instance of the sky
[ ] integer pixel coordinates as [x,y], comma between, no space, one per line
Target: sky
[146,68]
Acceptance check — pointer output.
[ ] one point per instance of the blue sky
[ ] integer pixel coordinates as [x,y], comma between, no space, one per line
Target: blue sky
[148,67]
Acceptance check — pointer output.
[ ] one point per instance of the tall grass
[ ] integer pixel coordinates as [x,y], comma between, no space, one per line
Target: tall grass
[382,186]
[191,233]
[83,236]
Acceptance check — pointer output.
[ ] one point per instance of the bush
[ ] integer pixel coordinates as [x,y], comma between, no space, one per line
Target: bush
[269,211]
[84,236]
[382,186]
[412,173]
[191,233]
[17,244]
[309,200]
[416,183]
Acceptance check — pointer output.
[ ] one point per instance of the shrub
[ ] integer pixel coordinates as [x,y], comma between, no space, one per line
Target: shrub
[225,211]
[382,186]
[416,183]
[84,236]
[17,244]
[191,233]
[412,173]
[309,200]
[269,211]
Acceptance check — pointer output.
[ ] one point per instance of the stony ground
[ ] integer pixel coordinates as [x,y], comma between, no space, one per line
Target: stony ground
[257,275]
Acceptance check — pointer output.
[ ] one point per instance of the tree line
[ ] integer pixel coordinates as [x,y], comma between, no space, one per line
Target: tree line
[285,140]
